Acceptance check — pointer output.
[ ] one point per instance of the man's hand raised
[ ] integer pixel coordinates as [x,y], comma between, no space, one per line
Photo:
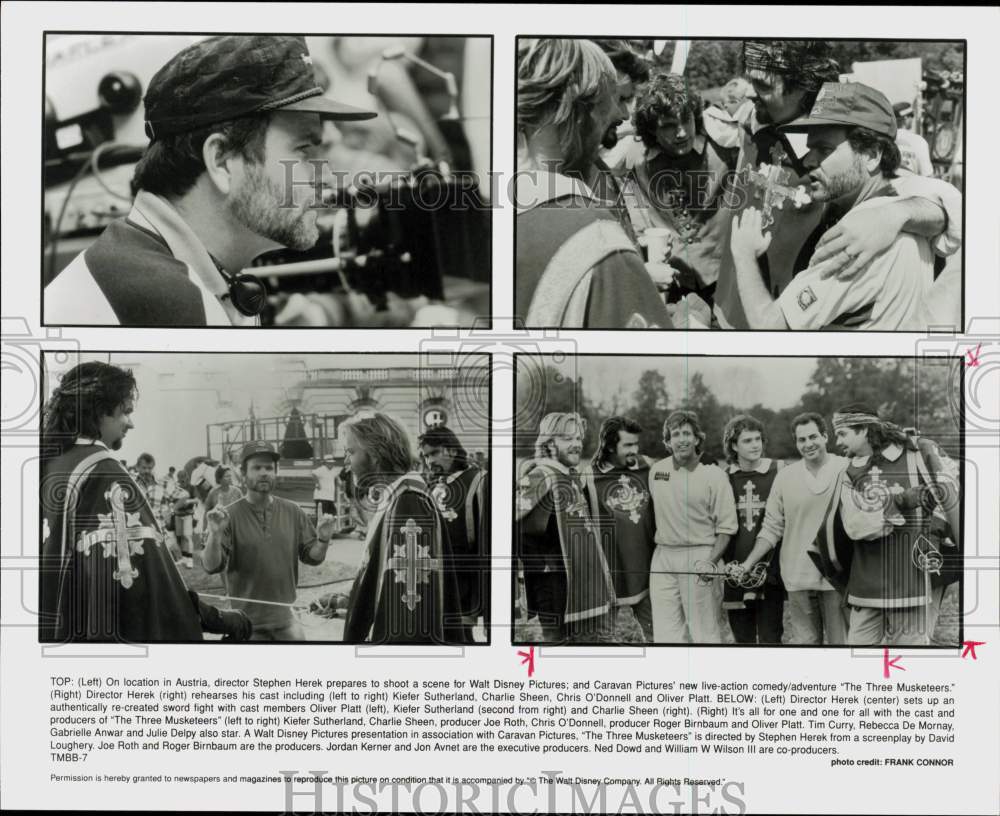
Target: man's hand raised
[218,521]
[325,527]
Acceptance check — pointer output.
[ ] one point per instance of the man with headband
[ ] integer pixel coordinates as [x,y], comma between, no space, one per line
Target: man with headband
[618,488]
[233,122]
[576,266]
[105,572]
[896,505]
[566,579]
[787,76]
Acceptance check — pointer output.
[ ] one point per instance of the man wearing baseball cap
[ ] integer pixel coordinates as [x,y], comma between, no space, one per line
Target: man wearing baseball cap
[258,541]
[233,123]
[852,160]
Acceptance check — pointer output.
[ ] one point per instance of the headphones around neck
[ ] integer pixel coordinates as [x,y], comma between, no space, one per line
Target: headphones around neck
[247,292]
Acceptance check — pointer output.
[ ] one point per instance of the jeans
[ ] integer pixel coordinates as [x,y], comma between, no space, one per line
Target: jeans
[817,616]
[761,620]
[643,612]
[889,627]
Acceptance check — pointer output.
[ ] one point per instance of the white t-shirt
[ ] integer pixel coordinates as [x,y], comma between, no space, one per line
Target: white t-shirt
[891,294]
[914,152]
[326,490]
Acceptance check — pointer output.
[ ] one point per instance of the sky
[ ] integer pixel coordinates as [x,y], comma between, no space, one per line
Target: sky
[179,394]
[775,383]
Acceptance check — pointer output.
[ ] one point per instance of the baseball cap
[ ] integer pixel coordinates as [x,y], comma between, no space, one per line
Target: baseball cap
[258,448]
[236,75]
[850,104]
[902,109]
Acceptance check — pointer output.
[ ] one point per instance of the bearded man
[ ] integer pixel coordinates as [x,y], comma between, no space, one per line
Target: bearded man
[618,488]
[852,164]
[566,579]
[233,123]
[787,77]
[576,265]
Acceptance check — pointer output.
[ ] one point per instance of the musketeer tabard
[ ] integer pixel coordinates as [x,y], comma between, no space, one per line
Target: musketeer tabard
[106,573]
[556,535]
[624,513]
[461,500]
[751,490]
[405,590]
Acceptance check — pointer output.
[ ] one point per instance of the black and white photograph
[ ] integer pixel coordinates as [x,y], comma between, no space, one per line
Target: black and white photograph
[265,497]
[766,184]
[266,180]
[767,501]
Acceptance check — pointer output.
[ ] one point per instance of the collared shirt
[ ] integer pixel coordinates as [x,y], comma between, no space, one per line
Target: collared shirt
[692,504]
[761,467]
[148,269]
[891,294]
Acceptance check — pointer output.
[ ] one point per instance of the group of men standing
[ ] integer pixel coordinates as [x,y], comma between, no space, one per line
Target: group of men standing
[793,212]
[854,549]
[108,573]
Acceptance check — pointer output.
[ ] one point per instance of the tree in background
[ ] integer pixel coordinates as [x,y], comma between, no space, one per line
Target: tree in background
[543,389]
[712,63]
[652,403]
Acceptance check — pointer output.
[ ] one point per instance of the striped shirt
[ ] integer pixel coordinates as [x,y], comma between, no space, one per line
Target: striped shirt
[147,269]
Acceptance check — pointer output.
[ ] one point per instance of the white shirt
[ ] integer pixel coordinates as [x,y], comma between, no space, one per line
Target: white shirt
[891,294]
[326,490]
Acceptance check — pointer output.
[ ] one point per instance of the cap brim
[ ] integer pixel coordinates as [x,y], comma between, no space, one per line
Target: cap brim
[329,109]
[274,456]
[809,122]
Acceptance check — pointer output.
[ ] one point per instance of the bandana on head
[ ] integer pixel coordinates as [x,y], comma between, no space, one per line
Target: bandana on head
[803,63]
[846,420]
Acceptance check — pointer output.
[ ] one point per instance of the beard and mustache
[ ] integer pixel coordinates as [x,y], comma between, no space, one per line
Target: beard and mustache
[263,208]
[848,182]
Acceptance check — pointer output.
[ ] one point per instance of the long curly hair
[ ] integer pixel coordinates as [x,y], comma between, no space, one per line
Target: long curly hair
[441,436]
[385,441]
[559,83]
[666,96]
[608,436]
[555,425]
[85,395]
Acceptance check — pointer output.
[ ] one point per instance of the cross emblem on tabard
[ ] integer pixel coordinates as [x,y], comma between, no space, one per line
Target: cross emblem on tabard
[772,185]
[625,497]
[750,503]
[412,563]
[121,533]
[440,493]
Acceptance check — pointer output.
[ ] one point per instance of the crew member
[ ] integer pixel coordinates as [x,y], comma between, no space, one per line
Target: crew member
[259,542]
[233,122]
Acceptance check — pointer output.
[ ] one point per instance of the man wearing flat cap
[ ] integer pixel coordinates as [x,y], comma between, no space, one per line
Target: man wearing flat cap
[258,541]
[787,76]
[852,161]
[233,122]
